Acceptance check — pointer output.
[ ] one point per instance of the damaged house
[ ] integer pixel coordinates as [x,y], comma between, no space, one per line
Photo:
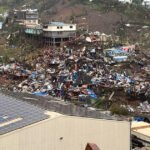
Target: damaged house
[56,33]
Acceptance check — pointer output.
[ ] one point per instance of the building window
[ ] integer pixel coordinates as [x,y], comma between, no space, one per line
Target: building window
[57,27]
[45,27]
[61,27]
[71,26]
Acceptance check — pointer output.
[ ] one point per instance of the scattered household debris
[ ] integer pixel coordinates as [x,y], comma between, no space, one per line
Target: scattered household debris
[85,73]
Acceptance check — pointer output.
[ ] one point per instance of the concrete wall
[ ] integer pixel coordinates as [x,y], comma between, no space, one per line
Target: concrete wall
[65,27]
[62,34]
[125,1]
[69,133]
[31,22]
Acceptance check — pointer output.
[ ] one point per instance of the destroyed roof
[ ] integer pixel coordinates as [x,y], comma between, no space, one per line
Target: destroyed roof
[15,114]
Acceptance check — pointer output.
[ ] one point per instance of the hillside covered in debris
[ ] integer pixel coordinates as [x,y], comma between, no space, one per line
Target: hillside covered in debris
[94,65]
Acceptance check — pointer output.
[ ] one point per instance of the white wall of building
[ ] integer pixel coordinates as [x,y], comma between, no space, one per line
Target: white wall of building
[146,3]
[125,1]
[69,133]
[31,22]
[65,27]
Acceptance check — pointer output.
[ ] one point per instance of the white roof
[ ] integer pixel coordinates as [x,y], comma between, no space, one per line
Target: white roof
[69,133]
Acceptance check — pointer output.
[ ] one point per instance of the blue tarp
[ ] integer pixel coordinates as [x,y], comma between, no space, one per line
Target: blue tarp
[33,75]
[82,98]
[40,93]
[120,58]
[117,77]
[116,52]
[128,79]
[139,118]
[24,72]
[91,94]
[62,78]
[74,76]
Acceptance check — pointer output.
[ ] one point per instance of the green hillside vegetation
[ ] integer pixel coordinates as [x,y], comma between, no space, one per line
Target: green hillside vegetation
[134,14]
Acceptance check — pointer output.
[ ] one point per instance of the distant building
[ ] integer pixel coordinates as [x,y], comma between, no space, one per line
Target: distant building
[27,127]
[56,33]
[31,17]
[34,30]
[19,16]
[125,1]
[146,3]
[26,16]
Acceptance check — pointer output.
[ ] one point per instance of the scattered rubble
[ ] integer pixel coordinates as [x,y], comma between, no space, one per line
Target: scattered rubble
[83,71]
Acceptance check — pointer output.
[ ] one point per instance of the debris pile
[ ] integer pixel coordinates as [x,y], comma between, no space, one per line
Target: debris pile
[85,72]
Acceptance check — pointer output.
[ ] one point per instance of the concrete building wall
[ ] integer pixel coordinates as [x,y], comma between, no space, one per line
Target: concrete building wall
[69,133]
[125,1]
[66,27]
[31,22]
[60,34]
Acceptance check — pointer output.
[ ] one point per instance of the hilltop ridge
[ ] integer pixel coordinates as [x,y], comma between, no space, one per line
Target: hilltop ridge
[105,16]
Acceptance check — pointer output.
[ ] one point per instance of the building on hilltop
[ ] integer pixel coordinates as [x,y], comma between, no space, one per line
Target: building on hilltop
[51,34]
[33,30]
[146,3]
[56,33]
[31,17]
[125,1]
[26,16]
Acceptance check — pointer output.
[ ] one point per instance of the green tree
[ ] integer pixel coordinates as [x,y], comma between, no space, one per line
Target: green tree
[137,2]
[117,109]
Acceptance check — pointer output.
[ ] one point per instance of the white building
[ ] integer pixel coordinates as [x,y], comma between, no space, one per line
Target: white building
[125,1]
[26,16]
[146,3]
[31,17]
[27,127]
[58,32]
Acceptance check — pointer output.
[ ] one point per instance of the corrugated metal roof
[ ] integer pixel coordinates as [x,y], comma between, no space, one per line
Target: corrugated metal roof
[11,109]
